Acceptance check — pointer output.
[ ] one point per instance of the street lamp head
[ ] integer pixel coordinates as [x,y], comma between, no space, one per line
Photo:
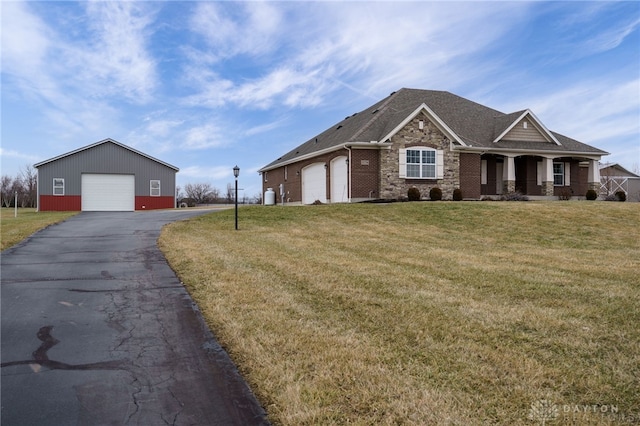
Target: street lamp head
[236,171]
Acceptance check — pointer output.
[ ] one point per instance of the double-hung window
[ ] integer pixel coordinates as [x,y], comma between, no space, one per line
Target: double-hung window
[154,188]
[58,186]
[421,163]
[558,174]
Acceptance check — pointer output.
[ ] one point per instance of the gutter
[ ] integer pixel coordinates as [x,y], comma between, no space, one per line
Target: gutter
[484,149]
[345,145]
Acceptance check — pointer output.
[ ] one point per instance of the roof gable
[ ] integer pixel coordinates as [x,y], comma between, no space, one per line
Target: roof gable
[525,127]
[617,170]
[104,141]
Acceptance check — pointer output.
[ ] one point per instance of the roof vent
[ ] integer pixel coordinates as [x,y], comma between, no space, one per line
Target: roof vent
[524,124]
[376,110]
[339,127]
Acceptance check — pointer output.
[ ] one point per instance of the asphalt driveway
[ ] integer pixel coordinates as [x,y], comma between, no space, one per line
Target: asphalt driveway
[98,330]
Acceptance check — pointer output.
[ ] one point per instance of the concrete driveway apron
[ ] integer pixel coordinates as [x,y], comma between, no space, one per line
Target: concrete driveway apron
[98,330]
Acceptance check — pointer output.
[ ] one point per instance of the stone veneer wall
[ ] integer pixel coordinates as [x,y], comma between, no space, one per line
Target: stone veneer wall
[394,187]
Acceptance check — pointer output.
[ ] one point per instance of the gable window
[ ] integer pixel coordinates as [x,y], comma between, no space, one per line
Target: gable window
[154,188]
[558,174]
[58,186]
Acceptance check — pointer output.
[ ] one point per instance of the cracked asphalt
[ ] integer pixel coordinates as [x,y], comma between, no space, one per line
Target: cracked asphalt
[98,330]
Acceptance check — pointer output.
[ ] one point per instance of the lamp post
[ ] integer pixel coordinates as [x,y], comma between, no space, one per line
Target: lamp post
[236,173]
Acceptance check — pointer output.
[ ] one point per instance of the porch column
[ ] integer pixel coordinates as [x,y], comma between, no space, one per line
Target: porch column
[509,174]
[593,178]
[547,176]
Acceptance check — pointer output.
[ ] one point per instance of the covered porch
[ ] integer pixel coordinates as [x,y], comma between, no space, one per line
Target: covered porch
[538,175]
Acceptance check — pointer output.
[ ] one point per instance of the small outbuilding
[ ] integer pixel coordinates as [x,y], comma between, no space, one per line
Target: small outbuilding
[105,176]
[614,178]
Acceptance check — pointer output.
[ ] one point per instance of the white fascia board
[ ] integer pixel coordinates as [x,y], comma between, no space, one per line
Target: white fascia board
[433,117]
[519,152]
[536,122]
[343,145]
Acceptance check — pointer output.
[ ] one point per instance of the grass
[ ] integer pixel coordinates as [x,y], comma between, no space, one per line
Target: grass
[15,229]
[423,313]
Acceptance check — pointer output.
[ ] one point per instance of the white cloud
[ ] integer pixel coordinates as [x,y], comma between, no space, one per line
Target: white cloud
[251,30]
[116,61]
[207,173]
[331,45]
[208,135]
[6,154]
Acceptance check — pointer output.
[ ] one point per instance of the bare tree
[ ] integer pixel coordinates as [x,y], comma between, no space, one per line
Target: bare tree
[29,178]
[214,195]
[6,190]
[200,193]
[230,194]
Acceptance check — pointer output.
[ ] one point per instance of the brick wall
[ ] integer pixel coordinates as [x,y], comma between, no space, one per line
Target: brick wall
[365,169]
[470,175]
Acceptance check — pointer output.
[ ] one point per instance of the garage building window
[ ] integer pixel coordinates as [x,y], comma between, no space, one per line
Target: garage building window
[155,188]
[58,186]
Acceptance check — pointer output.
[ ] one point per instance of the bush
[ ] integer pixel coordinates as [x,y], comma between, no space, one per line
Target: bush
[591,195]
[435,194]
[457,194]
[514,196]
[621,196]
[413,194]
[565,194]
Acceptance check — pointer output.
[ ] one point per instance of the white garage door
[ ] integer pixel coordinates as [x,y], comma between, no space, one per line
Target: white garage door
[108,192]
[314,183]
[339,189]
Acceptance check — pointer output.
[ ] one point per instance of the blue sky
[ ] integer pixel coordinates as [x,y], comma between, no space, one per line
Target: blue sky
[208,85]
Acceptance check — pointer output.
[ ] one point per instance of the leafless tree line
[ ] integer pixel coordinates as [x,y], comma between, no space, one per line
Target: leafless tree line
[205,193]
[25,185]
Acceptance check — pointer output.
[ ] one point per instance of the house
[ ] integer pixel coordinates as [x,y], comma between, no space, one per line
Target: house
[614,178]
[105,176]
[426,139]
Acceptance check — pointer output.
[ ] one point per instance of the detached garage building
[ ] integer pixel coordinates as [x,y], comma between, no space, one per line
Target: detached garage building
[105,176]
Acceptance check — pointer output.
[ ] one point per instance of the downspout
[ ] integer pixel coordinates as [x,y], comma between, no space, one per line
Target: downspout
[349,169]
[38,192]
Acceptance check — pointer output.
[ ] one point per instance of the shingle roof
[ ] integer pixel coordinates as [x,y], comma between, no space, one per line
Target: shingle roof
[474,124]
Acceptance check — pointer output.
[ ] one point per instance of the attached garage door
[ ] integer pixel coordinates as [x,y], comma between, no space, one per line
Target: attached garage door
[339,177]
[314,183]
[108,192]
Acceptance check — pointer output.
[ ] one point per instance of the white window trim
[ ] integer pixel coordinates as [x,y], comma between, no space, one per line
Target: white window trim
[403,162]
[151,188]
[58,186]
[483,172]
[562,173]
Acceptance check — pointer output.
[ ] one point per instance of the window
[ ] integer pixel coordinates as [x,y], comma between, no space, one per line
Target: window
[58,186]
[421,163]
[154,188]
[558,174]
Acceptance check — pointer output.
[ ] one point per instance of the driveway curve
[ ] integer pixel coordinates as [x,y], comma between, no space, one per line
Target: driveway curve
[98,330]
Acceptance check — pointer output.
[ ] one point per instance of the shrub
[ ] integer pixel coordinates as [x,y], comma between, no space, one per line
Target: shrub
[621,196]
[565,194]
[435,194]
[316,203]
[514,196]
[413,194]
[457,194]
[591,195]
